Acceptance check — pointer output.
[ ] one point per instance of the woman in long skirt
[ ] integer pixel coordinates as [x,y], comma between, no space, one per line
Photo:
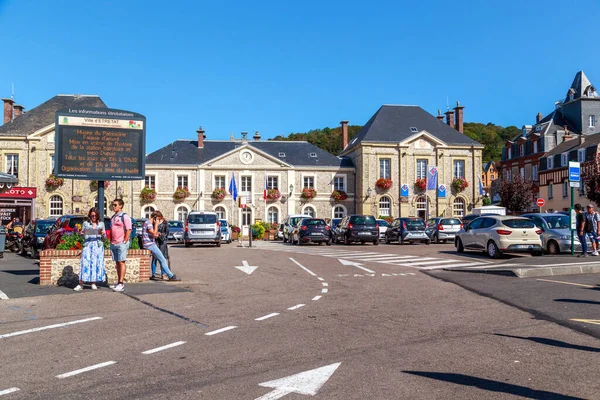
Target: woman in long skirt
[92,257]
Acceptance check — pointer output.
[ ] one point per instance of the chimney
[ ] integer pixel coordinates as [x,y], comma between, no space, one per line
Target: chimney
[201,137]
[459,117]
[440,117]
[449,119]
[567,135]
[344,134]
[256,136]
[18,110]
[8,110]
[244,135]
[581,139]
[538,117]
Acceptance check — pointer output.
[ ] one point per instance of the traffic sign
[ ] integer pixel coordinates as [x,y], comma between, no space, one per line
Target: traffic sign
[540,202]
[574,171]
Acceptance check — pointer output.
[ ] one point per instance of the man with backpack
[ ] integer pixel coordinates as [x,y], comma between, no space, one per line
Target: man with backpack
[592,223]
[120,231]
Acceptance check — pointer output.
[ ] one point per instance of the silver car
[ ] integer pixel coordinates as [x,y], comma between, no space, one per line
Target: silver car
[202,227]
[556,232]
[443,229]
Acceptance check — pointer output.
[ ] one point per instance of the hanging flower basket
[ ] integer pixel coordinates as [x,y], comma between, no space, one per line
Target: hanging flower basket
[219,194]
[147,194]
[384,183]
[459,184]
[421,184]
[308,193]
[94,185]
[339,195]
[53,183]
[273,195]
[181,193]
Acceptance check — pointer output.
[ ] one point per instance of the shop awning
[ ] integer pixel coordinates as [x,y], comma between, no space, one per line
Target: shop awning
[7,178]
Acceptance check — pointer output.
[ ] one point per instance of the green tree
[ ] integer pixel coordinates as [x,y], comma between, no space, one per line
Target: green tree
[591,179]
[328,139]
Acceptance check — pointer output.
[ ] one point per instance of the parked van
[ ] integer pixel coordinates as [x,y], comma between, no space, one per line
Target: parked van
[202,227]
[289,223]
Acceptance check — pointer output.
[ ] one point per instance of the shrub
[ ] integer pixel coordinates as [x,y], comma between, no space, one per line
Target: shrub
[70,241]
[487,201]
[258,231]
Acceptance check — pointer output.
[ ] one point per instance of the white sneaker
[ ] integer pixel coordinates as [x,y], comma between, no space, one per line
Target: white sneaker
[78,288]
[119,288]
[595,253]
[94,287]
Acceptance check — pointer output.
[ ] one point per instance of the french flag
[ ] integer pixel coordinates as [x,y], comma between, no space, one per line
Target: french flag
[265,191]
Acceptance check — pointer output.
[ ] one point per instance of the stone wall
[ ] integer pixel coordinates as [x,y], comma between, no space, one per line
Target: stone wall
[63,266]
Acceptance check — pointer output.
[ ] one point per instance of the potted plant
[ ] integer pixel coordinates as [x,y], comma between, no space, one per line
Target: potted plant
[339,195]
[459,184]
[94,185]
[181,193]
[384,183]
[219,194]
[308,193]
[421,184]
[235,231]
[273,195]
[53,183]
[147,194]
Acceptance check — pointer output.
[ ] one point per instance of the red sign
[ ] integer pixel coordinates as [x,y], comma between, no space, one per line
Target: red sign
[20,193]
[540,202]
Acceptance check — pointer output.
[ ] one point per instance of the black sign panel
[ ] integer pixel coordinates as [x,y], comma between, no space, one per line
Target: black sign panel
[100,144]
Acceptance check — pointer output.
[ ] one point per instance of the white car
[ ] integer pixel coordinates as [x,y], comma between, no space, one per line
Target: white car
[383,226]
[497,234]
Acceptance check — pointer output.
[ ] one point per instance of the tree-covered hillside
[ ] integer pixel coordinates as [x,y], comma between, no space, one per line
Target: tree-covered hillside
[491,136]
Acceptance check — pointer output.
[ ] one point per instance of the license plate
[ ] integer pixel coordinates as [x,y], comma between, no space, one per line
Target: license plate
[316,234]
[524,246]
[364,233]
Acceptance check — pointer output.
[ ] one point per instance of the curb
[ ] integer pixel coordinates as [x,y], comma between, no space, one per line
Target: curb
[536,272]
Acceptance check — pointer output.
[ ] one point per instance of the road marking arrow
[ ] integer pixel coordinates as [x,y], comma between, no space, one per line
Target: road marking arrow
[355,264]
[246,268]
[307,382]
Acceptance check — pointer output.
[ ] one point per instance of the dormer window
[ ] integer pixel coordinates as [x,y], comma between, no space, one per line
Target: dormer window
[524,131]
[571,94]
[313,155]
[550,163]
[538,128]
[414,129]
[564,159]
[282,155]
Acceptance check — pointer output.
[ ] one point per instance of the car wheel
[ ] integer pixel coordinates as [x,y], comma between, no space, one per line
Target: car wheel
[553,247]
[493,250]
[459,246]
[188,244]
[375,242]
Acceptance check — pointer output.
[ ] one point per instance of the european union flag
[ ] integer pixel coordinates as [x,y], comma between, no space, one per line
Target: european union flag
[233,187]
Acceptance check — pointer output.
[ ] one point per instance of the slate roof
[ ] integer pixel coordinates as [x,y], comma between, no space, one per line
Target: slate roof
[43,115]
[392,124]
[297,153]
[581,87]
[575,144]
[488,165]
[550,124]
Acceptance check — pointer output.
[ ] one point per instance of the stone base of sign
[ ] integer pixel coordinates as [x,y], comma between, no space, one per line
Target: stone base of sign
[61,267]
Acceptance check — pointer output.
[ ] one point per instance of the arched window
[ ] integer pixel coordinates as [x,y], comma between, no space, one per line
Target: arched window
[458,207]
[182,213]
[56,206]
[308,210]
[422,207]
[220,211]
[147,211]
[105,204]
[273,215]
[339,212]
[385,205]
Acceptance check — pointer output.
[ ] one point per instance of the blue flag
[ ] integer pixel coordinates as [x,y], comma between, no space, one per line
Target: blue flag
[404,190]
[442,191]
[233,187]
[481,192]
[432,178]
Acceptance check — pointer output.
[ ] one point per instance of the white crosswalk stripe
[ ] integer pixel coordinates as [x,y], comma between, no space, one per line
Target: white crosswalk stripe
[411,261]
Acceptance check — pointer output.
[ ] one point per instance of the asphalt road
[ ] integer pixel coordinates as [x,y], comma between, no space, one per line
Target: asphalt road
[368,327]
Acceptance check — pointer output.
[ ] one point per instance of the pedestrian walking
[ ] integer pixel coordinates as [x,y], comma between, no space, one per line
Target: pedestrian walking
[161,239]
[120,231]
[92,256]
[580,224]
[149,235]
[592,223]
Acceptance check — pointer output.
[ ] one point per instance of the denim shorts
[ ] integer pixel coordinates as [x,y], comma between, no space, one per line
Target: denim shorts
[593,237]
[119,251]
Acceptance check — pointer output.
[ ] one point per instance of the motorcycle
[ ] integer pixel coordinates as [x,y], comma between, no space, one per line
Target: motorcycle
[14,241]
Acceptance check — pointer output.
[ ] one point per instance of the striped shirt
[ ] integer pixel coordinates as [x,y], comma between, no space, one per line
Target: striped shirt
[147,238]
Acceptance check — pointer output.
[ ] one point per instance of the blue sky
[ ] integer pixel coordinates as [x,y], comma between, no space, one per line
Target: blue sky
[280,68]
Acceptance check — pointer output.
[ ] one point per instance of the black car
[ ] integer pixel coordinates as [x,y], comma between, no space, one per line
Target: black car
[409,230]
[34,234]
[311,230]
[358,228]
